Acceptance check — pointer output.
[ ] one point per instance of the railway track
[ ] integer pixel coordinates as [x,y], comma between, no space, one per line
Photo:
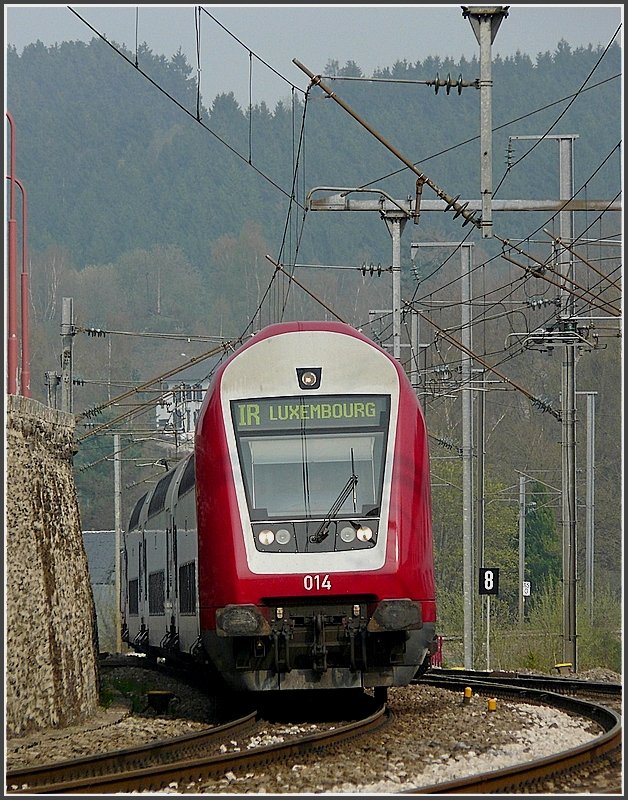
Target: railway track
[191,759]
[560,685]
[151,767]
[604,752]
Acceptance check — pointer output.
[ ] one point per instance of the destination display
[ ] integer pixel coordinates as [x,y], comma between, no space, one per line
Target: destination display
[329,411]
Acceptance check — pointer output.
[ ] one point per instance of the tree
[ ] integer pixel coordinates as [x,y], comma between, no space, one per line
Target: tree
[543,553]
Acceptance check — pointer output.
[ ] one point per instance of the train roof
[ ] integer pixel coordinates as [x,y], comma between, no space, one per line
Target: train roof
[279,328]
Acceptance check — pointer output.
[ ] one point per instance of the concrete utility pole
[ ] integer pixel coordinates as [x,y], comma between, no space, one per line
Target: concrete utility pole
[118,535]
[395,222]
[67,332]
[52,380]
[395,217]
[468,558]
[480,453]
[485,22]
[522,544]
[468,536]
[590,534]
[568,415]
[566,331]
[590,502]
[415,349]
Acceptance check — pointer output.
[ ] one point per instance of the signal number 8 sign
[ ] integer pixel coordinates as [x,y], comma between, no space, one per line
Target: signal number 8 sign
[489,580]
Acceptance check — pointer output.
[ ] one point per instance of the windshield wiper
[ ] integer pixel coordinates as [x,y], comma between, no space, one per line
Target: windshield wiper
[323,530]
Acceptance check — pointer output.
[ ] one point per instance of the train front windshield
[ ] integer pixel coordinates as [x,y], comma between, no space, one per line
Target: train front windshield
[312,457]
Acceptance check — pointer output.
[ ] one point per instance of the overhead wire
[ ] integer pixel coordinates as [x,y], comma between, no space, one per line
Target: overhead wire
[562,113]
[246,47]
[180,106]
[575,96]
[291,196]
[536,275]
[139,389]
[572,100]
[506,124]
[292,85]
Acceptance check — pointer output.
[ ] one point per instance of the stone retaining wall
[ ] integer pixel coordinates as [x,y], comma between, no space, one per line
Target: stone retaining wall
[51,645]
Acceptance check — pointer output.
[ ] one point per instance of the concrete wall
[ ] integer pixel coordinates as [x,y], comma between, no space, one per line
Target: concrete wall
[51,646]
[105,602]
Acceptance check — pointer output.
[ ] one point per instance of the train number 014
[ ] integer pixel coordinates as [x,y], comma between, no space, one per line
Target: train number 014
[317,582]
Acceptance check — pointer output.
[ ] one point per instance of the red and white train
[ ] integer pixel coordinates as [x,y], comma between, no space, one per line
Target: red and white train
[293,548]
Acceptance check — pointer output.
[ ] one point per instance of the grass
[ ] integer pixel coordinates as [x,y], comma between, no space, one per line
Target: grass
[133,691]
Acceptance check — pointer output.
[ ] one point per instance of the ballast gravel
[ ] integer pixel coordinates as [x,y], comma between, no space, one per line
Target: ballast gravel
[434,736]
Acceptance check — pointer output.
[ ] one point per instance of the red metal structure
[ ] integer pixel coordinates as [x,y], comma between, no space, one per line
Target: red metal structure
[12,343]
[12,273]
[25,375]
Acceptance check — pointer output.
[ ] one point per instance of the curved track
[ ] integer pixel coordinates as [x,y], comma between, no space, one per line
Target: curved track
[605,749]
[194,757]
[560,685]
[152,767]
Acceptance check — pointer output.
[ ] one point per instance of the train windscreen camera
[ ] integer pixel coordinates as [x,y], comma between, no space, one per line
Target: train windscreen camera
[309,377]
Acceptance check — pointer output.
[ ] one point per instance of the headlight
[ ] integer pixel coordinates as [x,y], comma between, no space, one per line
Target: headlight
[308,379]
[396,615]
[266,536]
[347,534]
[365,534]
[241,620]
[283,536]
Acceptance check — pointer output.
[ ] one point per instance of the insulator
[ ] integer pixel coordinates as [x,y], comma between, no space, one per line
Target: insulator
[452,203]
[543,403]
[470,218]
[509,153]
[460,210]
[449,83]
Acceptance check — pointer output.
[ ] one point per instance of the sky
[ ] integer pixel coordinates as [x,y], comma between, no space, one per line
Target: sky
[371,35]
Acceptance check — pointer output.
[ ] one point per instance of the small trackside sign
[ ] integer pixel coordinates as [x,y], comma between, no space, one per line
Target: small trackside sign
[489,580]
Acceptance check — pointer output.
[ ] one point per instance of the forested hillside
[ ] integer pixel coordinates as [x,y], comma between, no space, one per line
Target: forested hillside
[113,164]
[157,222]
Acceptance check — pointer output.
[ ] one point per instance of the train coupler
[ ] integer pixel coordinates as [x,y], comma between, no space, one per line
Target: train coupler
[282,654]
[357,637]
[319,648]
